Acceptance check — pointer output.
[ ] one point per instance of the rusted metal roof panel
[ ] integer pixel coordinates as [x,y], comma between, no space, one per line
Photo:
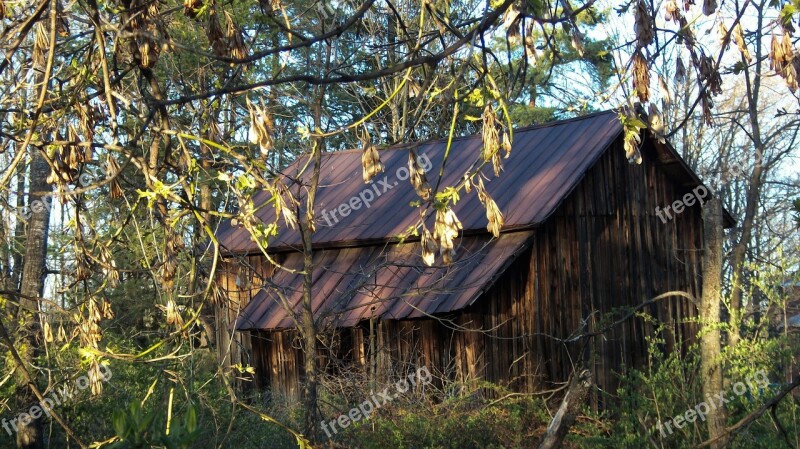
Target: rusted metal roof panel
[545,164]
[387,281]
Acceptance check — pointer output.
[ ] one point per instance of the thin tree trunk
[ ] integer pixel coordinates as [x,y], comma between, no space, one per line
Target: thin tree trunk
[710,343]
[753,85]
[308,326]
[30,435]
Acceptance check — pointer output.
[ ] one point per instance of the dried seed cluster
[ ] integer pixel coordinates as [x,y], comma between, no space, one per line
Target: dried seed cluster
[261,127]
[417,176]
[784,60]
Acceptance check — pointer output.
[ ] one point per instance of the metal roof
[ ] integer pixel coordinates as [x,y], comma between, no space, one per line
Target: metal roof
[387,281]
[546,163]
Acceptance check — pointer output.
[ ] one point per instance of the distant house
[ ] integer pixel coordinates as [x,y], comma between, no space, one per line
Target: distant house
[586,232]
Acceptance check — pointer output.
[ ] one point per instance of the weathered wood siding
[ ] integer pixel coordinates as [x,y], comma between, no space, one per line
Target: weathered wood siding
[238,281]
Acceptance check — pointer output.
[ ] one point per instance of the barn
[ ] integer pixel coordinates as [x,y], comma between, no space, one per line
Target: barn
[587,237]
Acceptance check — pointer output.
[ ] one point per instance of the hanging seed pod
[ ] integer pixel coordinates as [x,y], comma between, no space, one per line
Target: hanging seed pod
[776,55]
[219,44]
[87,122]
[62,25]
[81,268]
[169,264]
[643,25]
[493,214]
[212,134]
[48,332]
[95,378]
[722,34]
[77,154]
[506,144]
[680,71]
[671,11]
[144,26]
[417,176]
[641,77]
[790,73]
[112,173]
[666,97]
[238,50]
[467,183]
[710,75]
[283,210]
[494,217]
[786,48]
[632,153]
[173,315]
[148,51]
[109,267]
[428,246]
[62,334]
[105,309]
[491,139]
[709,7]
[489,133]
[65,162]
[260,127]
[706,104]
[738,38]
[40,44]
[370,162]
[445,232]
[655,121]
[166,40]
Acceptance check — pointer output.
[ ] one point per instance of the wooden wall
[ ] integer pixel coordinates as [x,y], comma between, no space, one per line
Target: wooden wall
[238,281]
[604,249]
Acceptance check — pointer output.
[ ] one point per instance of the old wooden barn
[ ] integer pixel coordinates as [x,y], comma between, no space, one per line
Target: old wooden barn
[582,238]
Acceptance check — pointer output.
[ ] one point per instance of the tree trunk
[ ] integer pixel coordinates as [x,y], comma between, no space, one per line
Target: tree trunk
[710,344]
[30,435]
[753,84]
[308,326]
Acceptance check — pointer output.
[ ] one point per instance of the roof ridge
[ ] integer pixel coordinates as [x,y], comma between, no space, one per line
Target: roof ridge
[405,145]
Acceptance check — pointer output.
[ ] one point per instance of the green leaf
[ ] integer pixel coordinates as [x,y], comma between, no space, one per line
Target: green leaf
[786,14]
[120,423]
[190,419]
